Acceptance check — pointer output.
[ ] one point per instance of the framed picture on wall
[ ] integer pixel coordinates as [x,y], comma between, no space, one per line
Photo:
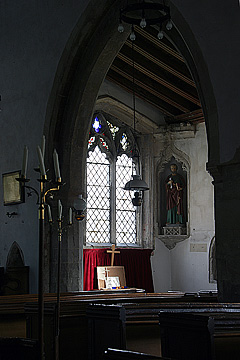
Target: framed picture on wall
[13,192]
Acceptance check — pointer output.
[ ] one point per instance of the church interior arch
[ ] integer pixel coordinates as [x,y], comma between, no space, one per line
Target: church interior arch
[90,84]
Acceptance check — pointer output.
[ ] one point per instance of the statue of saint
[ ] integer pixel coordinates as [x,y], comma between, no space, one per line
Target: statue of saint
[174,186]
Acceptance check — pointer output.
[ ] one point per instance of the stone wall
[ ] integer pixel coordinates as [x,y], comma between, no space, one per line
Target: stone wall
[34,35]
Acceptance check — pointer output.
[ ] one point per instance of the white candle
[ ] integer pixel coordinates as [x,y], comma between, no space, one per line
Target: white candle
[49,213]
[70,216]
[25,161]
[56,165]
[43,146]
[41,162]
[59,210]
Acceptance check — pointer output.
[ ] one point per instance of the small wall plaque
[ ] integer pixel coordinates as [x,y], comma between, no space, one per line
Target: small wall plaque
[13,192]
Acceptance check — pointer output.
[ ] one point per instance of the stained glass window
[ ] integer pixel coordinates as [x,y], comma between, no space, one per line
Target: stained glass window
[124,142]
[113,128]
[96,125]
[91,141]
[111,216]
[104,143]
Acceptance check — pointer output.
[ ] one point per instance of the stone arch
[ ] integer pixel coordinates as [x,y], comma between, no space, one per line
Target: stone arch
[189,48]
[84,64]
[80,72]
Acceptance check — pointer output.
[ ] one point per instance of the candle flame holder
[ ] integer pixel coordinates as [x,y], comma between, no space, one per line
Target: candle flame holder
[41,194]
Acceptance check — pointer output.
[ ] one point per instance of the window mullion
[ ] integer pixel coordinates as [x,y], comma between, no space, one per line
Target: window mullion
[113,201]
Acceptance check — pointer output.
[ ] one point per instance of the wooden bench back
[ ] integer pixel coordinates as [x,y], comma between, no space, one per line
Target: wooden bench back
[116,354]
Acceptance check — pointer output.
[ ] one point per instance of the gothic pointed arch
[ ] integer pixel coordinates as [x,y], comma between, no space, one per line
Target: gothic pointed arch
[111,161]
[81,70]
[172,151]
[15,256]
[187,45]
[84,64]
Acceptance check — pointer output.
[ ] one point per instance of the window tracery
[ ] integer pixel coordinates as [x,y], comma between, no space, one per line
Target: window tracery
[124,142]
[111,216]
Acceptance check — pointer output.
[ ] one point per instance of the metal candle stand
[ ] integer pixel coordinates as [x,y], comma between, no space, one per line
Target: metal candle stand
[41,195]
[60,232]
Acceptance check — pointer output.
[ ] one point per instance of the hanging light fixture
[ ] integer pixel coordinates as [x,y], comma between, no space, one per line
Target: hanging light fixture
[144,14]
[136,184]
[79,207]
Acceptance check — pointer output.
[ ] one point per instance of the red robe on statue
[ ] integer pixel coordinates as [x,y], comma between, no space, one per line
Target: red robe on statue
[175,198]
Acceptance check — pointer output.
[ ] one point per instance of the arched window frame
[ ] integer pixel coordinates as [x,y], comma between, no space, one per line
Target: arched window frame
[113,150]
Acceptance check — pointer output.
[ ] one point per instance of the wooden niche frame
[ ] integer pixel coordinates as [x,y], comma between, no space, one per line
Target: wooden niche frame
[13,191]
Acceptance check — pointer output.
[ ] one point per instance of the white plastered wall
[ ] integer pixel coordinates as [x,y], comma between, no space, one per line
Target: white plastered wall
[186,266]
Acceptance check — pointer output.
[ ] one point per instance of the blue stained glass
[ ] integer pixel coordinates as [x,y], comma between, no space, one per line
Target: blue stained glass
[124,142]
[96,125]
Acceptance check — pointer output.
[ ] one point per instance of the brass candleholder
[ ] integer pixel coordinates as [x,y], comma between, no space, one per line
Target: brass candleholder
[41,201]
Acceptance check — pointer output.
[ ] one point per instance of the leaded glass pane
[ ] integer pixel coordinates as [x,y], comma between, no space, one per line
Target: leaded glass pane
[91,141]
[124,142]
[113,128]
[98,198]
[104,143]
[96,125]
[125,211]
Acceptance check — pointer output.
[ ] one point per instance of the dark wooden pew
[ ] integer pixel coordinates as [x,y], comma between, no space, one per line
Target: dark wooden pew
[200,336]
[12,308]
[18,314]
[73,320]
[136,326]
[116,354]
[18,349]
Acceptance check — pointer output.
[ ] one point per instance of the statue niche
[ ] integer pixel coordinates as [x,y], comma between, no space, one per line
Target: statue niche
[173,199]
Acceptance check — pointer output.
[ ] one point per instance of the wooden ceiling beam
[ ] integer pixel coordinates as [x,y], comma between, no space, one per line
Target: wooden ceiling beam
[150,89]
[192,117]
[158,79]
[159,43]
[161,64]
[162,109]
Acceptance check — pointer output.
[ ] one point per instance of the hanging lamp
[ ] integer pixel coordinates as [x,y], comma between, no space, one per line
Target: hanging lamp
[136,184]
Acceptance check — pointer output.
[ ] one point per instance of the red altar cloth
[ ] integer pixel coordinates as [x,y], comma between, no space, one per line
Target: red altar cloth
[135,261]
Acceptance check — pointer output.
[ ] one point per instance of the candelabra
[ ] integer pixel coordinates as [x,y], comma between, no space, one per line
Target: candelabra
[60,232]
[42,194]
[79,210]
